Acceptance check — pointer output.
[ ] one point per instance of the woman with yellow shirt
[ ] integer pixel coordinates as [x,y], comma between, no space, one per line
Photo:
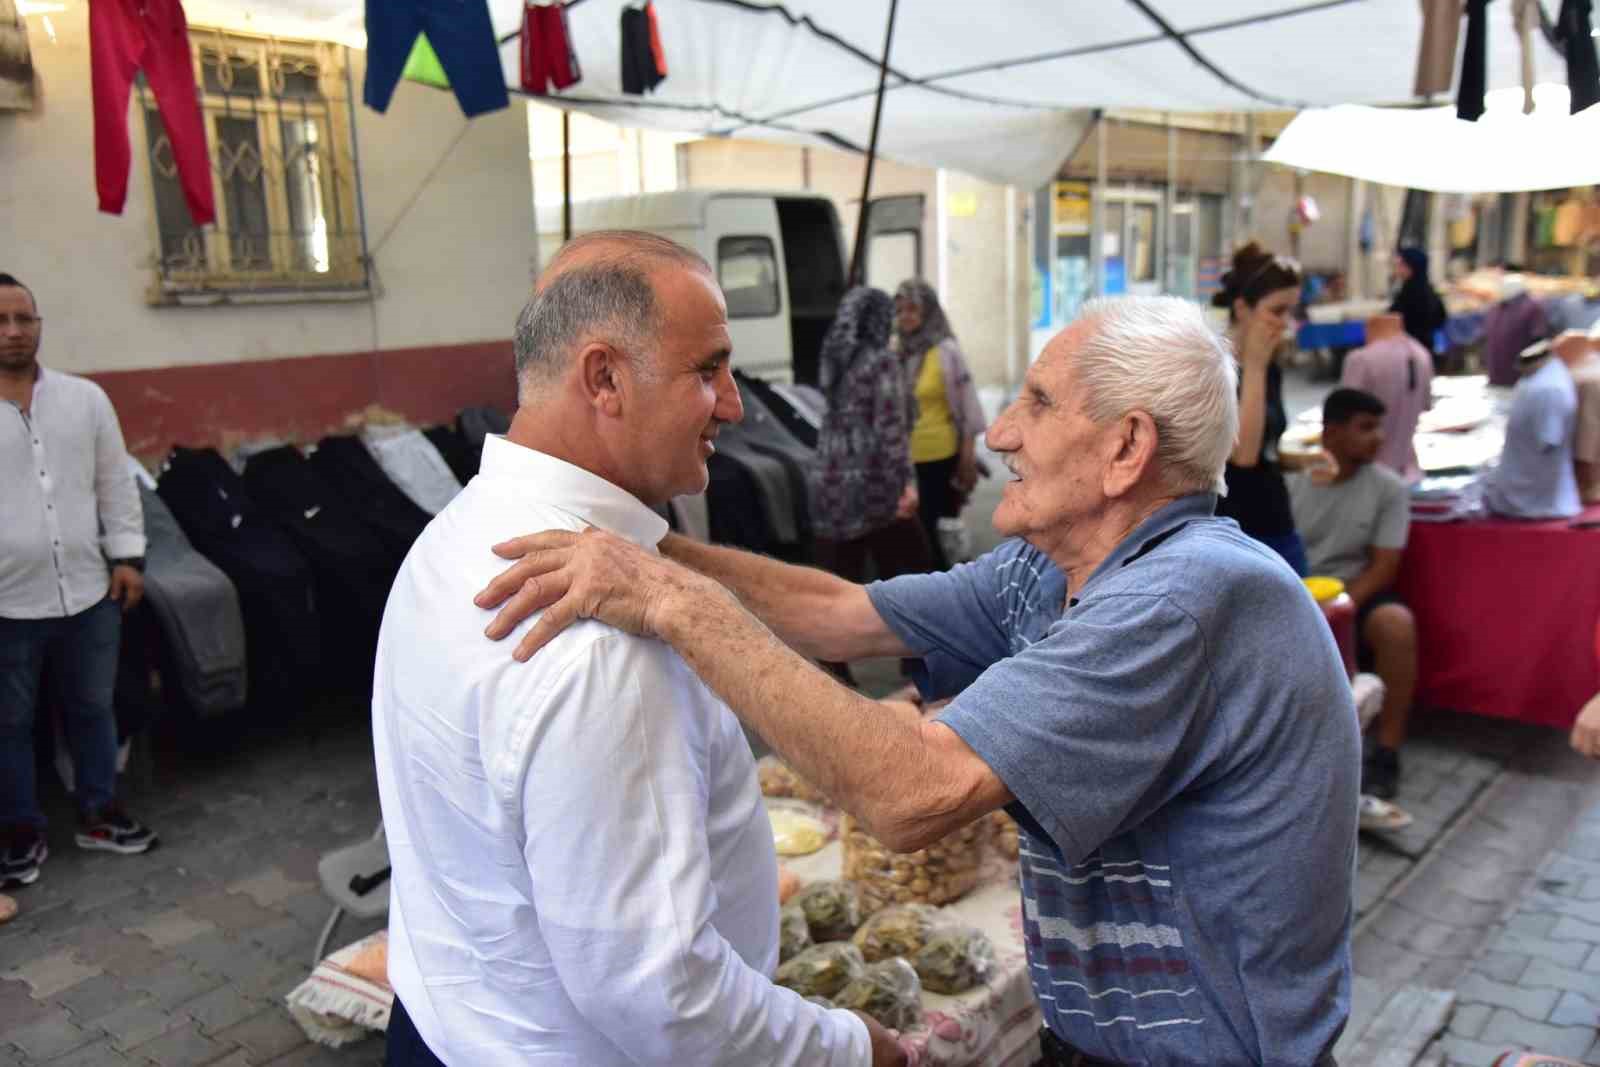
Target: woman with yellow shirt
[949,417]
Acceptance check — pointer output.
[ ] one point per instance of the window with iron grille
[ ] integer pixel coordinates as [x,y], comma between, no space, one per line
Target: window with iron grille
[278,132]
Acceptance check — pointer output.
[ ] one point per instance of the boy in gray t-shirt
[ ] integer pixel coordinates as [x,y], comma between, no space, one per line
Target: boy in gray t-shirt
[1354,526]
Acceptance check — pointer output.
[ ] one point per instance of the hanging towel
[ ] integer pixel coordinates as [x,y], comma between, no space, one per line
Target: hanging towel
[1436,58]
[461,36]
[125,37]
[547,55]
[1474,62]
[1575,34]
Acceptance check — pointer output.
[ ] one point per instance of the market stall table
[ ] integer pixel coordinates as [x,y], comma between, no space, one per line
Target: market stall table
[1506,610]
[1506,613]
[996,1024]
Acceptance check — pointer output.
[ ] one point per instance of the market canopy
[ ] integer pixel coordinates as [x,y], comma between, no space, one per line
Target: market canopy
[1429,148]
[997,90]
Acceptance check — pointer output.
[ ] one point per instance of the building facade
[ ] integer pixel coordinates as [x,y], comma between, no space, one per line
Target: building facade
[359,260]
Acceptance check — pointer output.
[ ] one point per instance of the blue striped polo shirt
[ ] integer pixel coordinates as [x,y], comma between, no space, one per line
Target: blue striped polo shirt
[1183,748]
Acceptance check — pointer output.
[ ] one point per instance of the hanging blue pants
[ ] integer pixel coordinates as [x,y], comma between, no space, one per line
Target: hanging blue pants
[462,37]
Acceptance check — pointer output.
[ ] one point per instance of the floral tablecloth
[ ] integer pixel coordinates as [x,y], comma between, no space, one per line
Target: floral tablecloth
[994,1025]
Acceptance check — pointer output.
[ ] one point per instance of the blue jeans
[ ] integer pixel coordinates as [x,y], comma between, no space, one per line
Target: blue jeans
[81,652]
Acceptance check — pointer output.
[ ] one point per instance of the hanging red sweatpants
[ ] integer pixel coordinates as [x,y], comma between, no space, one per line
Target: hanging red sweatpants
[124,37]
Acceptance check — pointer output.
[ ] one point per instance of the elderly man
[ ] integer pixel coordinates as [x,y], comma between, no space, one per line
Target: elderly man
[1149,692]
[583,872]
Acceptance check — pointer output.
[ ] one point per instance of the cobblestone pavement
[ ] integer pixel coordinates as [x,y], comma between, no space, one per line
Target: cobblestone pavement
[1521,880]
[183,955]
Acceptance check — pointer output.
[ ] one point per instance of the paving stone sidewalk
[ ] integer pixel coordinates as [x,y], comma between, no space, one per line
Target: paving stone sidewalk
[183,955]
[1479,942]
[1532,851]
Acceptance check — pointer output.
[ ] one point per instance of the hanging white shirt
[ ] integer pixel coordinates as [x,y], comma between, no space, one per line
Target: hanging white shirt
[69,503]
[582,867]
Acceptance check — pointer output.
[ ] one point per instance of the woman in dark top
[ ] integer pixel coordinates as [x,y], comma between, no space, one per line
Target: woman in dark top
[1260,292]
[1417,303]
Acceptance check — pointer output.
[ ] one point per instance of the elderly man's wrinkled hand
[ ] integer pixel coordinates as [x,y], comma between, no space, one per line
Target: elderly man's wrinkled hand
[592,575]
[531,560]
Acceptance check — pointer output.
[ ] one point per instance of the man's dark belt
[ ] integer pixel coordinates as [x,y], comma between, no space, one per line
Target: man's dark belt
[1057,1053]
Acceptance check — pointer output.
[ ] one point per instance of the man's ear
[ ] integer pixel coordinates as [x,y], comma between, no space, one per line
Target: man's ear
[1133,451]
[600,377]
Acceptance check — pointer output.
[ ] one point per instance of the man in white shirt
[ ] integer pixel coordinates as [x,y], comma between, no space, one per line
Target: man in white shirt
[583,872]
[71,552]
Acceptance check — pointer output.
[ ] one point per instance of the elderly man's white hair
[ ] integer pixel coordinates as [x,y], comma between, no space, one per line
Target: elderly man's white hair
[1160,355]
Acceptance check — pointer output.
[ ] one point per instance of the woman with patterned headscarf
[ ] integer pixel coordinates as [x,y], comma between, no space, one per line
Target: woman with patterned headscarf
[866,496]
[949,418]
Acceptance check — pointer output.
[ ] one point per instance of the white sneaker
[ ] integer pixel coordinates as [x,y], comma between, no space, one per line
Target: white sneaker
[1381,815]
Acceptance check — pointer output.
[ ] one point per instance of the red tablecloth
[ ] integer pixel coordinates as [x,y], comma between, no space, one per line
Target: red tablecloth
[1506,616]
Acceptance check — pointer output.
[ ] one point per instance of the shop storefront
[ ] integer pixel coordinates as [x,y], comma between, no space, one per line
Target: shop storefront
[1141,208]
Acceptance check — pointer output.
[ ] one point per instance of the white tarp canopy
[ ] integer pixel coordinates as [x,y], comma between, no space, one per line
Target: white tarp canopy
[1504,151]
[996,90]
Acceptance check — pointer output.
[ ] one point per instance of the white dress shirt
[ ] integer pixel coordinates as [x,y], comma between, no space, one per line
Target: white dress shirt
[69,502]
[583,872]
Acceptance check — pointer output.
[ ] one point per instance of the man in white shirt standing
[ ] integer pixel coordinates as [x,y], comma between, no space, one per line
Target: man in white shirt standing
[71,553]
[583,872]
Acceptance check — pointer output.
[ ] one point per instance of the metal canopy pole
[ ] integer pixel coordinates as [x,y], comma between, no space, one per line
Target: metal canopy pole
[566,176]
[856,265]
[1097,228]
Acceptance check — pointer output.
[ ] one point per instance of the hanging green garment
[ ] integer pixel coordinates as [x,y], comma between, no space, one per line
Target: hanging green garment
[423,65]
[1545,227]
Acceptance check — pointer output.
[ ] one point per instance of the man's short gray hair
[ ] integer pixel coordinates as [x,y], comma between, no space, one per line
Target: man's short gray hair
[597,287]
[1160,355]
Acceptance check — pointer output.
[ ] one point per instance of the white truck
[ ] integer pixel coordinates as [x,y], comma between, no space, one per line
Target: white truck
[780,257]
